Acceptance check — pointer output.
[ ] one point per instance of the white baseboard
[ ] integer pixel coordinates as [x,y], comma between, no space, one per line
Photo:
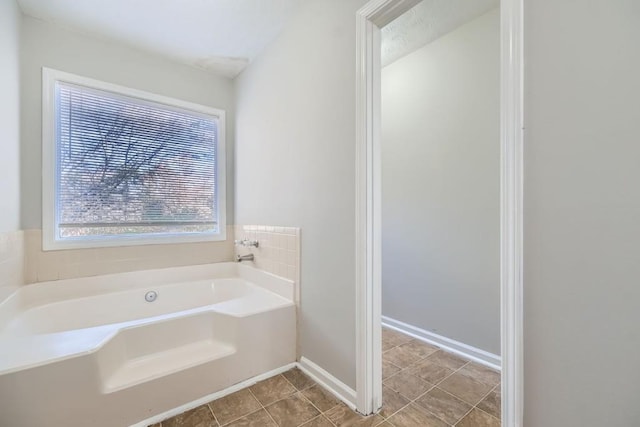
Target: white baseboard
[336,387]
[213,396]
[477,355]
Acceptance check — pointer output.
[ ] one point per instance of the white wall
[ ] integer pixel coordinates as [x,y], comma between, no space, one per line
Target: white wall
[582,213]
[295,166]
[441,185]
[46,45]
[10,19]
[11,238]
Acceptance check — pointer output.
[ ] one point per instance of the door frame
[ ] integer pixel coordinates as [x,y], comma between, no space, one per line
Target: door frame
[369,19]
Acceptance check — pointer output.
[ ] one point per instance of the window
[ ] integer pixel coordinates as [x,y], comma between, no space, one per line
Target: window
[125,167]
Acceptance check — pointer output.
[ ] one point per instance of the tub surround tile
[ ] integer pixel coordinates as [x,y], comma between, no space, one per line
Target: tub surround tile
[272,389]
[12,266]
[198,417]
[259,418]
[408,385]
[478,418]
[320,398]
[465,388]
[278,250]
[299,379]
[234,406]
[43,266]
[292,411]
[445,406]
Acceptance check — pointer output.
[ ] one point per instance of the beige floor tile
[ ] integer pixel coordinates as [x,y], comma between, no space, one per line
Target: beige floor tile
[465,388]
[321,399]
[292,411]
[401,357]
[234,406]
[481,374]
[492,404]
[408,385]
[415,416]
[388,369]
[392,402]
[419,348]
[319,421]
[478,418]
[430,372]
[447,360]
[259,418]
[444,405]
[272,389]
[343,416]
[198,417]
[299,380]
[391,338]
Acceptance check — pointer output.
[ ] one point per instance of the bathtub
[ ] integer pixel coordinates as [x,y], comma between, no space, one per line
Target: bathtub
[115,350]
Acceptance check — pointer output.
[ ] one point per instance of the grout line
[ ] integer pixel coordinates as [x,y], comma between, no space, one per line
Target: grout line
[476,407]
[318,409]
[407,369]
[436,385]
[263,407]
[212,413]
[480,401]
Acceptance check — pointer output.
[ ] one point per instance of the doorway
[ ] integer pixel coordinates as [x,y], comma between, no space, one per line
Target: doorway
[371,18]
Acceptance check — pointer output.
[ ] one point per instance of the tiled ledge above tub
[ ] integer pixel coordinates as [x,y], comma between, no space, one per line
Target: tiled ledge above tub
[11,261]
[278,250]
[43,266]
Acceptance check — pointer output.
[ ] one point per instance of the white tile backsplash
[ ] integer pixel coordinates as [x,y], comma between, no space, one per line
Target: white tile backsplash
[278,251]
[11,258]
[66,264]
[22,259]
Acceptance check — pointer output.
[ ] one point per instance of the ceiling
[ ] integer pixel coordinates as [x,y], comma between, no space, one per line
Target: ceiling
[222,36]
[427,21]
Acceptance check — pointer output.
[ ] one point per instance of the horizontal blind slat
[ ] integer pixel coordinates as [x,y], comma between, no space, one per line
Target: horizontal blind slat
[125,162]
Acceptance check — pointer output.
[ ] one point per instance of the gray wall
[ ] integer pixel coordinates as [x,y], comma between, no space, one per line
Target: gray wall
[10,19]
[441,185]
[295,166]
[46,45]
[582,213]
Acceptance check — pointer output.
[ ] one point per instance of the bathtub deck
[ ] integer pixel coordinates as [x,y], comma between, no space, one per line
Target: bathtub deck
[98,342]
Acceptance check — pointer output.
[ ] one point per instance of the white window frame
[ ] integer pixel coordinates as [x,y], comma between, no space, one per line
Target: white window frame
[49,241]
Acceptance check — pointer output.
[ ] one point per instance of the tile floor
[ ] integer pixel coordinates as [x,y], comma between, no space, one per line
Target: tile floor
[423,386]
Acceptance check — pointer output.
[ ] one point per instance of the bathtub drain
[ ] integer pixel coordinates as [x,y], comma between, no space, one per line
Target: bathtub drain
[151,296]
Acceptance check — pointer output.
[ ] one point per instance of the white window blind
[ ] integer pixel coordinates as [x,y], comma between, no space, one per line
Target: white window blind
[126,166]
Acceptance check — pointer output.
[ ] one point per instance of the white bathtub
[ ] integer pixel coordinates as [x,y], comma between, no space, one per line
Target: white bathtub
[94,351]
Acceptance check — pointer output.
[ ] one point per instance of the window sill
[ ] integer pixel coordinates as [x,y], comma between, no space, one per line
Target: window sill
[50,244]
